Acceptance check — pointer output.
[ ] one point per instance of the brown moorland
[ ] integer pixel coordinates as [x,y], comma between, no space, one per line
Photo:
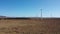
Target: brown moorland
[29,26]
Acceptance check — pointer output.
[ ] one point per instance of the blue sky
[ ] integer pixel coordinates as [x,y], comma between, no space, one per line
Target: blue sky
[30,8]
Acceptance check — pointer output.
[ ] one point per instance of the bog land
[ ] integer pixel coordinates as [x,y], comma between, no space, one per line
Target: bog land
[29,26]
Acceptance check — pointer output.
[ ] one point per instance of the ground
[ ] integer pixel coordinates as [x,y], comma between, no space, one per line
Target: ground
[30,26]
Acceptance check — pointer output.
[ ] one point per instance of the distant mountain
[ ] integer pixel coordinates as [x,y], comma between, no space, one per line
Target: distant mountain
[2,16]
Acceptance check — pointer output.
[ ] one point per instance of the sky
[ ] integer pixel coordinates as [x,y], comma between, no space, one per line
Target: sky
[30,8]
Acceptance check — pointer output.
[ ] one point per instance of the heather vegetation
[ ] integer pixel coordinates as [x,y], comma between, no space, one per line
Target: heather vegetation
[33,26]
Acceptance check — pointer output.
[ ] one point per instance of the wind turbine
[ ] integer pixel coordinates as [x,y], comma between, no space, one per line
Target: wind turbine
[41,13]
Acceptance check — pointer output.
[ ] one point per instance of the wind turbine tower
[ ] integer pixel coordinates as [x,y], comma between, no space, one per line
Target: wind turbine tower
[41,13]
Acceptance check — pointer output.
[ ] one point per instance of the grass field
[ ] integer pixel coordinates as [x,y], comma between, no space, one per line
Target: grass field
[32,26]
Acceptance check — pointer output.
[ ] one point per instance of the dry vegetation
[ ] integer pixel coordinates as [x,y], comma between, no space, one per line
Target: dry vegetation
[32,26]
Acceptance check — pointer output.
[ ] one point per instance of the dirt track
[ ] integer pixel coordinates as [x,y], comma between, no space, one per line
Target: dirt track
[30,26]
